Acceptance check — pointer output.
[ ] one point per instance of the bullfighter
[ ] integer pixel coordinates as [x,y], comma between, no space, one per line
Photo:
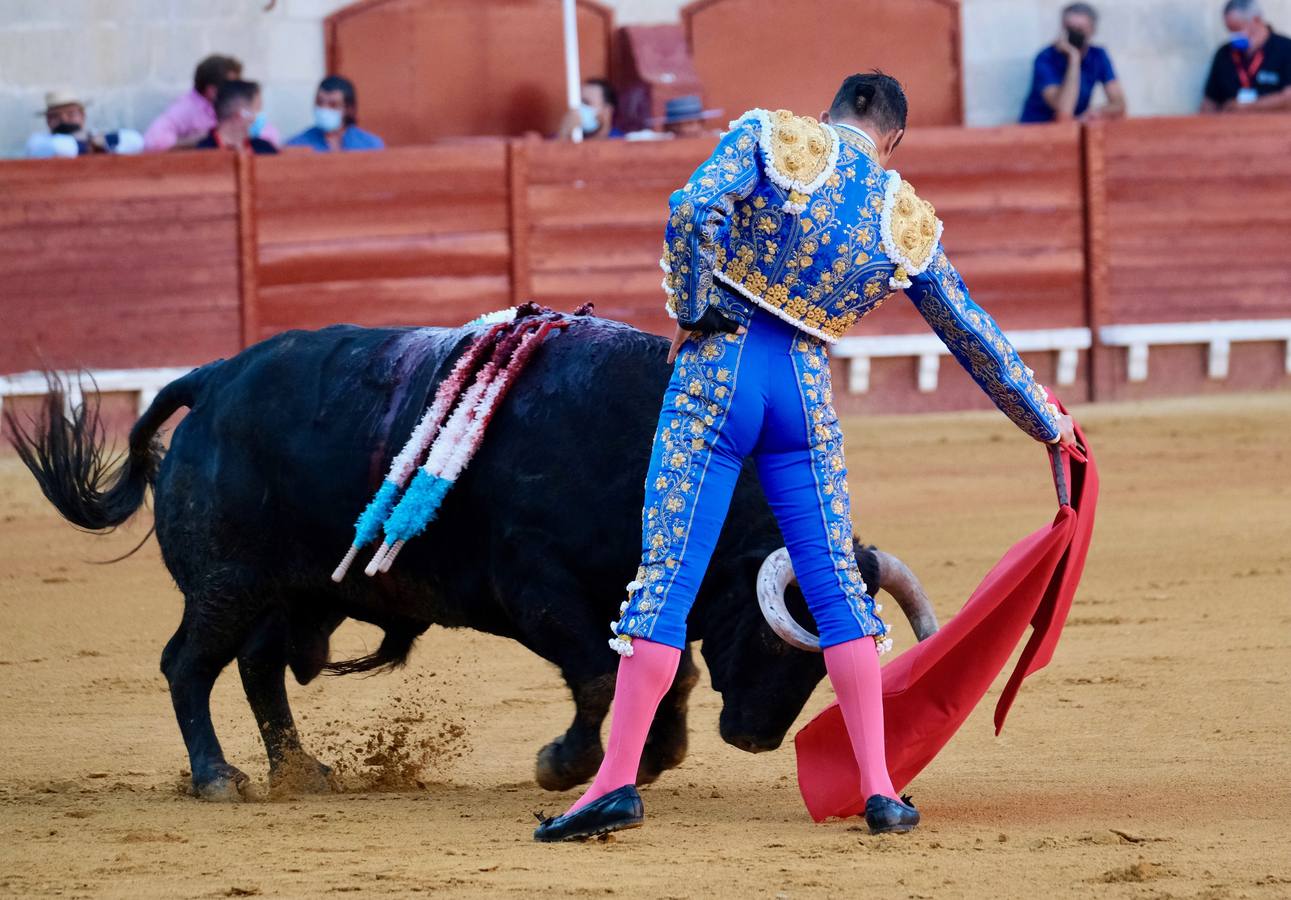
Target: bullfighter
[789,234]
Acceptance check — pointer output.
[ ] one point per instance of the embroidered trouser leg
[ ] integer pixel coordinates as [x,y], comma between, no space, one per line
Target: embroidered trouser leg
[766,394]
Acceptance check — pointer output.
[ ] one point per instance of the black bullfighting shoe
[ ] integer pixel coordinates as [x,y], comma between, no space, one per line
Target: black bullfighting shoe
[885,815]
[617,810]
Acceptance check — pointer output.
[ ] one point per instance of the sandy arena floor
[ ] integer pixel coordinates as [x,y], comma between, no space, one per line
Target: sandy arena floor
[1150,759]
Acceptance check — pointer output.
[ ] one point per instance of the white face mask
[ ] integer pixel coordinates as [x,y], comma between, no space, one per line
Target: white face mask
[327,119]
[588,120]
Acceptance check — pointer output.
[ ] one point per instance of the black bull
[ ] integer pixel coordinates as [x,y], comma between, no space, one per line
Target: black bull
[284,444]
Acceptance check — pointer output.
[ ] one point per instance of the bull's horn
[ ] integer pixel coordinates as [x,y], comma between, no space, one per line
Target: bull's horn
[777,572]
[773,578]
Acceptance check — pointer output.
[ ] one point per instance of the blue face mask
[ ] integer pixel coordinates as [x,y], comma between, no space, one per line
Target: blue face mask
[328,120]
[1240,41]
[257,125]
[588,119]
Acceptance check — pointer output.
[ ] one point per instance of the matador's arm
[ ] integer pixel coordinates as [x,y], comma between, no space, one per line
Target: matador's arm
[699,218]
[977,342]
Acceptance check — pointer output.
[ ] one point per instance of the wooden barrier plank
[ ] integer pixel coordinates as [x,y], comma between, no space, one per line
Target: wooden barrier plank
[415,235]
[118,262]
[1197,218]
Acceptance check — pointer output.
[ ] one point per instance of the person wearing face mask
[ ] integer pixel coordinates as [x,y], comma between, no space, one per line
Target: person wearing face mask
[1066,73]
[1252,72]
[191,117]
[791,233]
[595,115]
[68,135]
[335,120]
[239,120]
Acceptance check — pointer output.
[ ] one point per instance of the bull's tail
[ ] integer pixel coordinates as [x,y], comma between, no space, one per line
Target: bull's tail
[392,654]
[67,453]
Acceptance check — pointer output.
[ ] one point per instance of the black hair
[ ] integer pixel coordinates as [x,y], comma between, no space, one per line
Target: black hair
[873,95]
[346,88]
[607,91]
[1246,8]
[232,92]
[214,71]
[337,83]
[1081,9]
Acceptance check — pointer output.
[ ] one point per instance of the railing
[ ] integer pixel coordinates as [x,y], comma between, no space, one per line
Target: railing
[1088,244]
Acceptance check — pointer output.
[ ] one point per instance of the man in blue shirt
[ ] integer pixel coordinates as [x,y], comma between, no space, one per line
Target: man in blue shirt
[335,114]
[1067,71]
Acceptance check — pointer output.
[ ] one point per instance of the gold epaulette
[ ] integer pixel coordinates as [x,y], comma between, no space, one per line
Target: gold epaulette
[798,153]
[910,230]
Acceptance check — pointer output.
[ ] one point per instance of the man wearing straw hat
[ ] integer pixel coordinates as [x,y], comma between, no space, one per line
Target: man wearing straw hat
[789,234]
[64,114]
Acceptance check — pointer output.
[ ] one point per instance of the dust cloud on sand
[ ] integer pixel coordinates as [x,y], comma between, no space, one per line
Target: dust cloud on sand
[1149,760]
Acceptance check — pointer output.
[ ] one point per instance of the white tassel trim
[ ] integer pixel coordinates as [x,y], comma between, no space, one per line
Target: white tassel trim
[890,246]
[778,313]
[780,179]
[493,318]
[622,646]
[883,646]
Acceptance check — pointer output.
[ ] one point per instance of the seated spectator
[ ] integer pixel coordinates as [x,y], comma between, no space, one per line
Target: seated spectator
[595,115]
[191,117]
[1067,71]
[1252,72]
[237,110]
[67,136]
[684,117]
[335,120]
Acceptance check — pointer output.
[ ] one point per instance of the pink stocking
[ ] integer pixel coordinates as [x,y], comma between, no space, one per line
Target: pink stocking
[643,679]
[854,671]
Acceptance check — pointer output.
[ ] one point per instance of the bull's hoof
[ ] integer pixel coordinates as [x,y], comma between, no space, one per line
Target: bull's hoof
[557,773]
[300,773]
[222,783]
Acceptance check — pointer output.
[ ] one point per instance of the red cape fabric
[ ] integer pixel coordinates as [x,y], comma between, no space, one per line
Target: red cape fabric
[929,690]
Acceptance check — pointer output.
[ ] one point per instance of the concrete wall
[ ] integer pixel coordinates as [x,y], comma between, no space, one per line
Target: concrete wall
[1161,50]
[131,56]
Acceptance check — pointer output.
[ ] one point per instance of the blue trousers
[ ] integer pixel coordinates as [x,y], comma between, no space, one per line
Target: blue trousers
[766,394]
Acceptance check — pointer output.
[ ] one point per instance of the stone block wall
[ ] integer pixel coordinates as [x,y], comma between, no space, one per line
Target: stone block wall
[130,57]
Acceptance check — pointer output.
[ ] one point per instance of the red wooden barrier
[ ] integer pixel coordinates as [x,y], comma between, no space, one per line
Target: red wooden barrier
[1190,221]
[771,53]
[592,219]
[116,262]
[430,69]
[415,236]
[1012,203]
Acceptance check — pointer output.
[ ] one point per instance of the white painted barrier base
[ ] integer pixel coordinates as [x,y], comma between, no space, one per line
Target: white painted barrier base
[1219,336]
[1066,342]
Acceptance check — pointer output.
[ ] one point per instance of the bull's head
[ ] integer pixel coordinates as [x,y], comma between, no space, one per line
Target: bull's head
[760,664]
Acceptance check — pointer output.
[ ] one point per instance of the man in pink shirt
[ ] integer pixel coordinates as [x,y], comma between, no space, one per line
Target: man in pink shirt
[192,116]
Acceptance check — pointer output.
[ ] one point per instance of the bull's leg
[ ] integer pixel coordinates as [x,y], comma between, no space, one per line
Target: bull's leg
[262,662]
[666,745]
[574,757]
[191,662]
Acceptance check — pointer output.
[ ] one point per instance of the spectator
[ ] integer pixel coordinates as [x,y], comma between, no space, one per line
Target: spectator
[67,136]
[684,117]
[191,117]
[595,115]
[1252,72]
[237,109]
[335,120]
[1067,71]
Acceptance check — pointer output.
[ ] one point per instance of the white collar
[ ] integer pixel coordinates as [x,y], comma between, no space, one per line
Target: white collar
[862,132]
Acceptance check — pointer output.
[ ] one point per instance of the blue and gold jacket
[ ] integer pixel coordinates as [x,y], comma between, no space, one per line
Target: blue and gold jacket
[798,218]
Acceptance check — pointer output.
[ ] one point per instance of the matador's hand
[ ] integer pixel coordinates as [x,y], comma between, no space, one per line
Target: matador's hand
[1066,431]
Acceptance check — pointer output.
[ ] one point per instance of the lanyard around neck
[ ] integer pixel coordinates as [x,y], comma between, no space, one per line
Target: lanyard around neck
[1246,71]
